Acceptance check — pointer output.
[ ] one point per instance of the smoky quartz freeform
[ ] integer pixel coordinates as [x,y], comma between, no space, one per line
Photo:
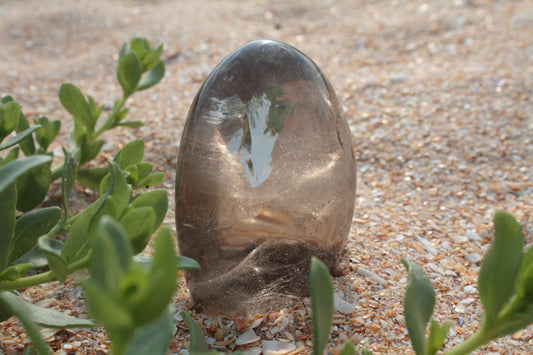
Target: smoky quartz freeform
[265,179]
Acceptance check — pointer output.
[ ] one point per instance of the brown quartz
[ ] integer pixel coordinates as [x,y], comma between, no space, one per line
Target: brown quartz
[265,179]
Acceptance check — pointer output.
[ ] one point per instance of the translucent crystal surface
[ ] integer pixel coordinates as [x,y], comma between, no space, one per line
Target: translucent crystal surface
[265,179]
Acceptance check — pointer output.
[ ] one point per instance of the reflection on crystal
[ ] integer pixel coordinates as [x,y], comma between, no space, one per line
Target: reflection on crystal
[262,119]
[265,179]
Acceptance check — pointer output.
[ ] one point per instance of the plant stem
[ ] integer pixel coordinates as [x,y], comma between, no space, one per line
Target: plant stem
[475,341]
[18,308]
[57,171]
[58,229]
[111,117]
[47,276]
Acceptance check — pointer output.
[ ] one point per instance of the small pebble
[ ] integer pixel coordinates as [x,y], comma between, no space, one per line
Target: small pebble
[425,243]
[177,316]
[247,337]
[468,300]
[473,258]
[355,339]
[219,334]
[469,289]
[256,323]
[342,306]
[472,235]
[371,275]
[460,239]
[460,309]
[445,246]
[397,78]
[274,347]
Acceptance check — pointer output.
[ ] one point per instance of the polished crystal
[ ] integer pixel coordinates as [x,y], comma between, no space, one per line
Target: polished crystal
[265,179]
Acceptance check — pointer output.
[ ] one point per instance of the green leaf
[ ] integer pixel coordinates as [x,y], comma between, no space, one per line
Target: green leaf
[26,145]
[321,304]
[140,46]
[76,133]
[111,255]
[95,111]
[5,312]
[30,227]
[111,266]
[106,309]
[144,169]
[47,132]
[182,262]
[18,138]
[499,269]
[113,202]
[57,263]
[153,76]
[122,114]
[129,73]
[11,156]
[6,99]
[10,172]
[437,336]
[365,351]
[147,303]
[123,50]
[8,201]
[104,184]
[131,124]
[36,257]
[151,180]
[95,149]
[198,342]
[9,118]
[33,186]
[152,58]
[117,195]
[77,242]
[132,153]
[74,102]
[19,308]
[419,302]
[67,179]
[132,174]
[349,349]
[524,284]
[514,322]
[154,337]
[185,263]
[49,318]
[92,177]
[88,151]
[14,272]
[138,224]
[157,200]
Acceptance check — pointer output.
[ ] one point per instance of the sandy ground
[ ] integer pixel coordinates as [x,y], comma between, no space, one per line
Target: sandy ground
[438,98]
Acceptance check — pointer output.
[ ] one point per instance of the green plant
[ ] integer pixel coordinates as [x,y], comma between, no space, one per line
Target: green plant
[505,285]
[129,294]
[505,288]
[121,294]
[52,243]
